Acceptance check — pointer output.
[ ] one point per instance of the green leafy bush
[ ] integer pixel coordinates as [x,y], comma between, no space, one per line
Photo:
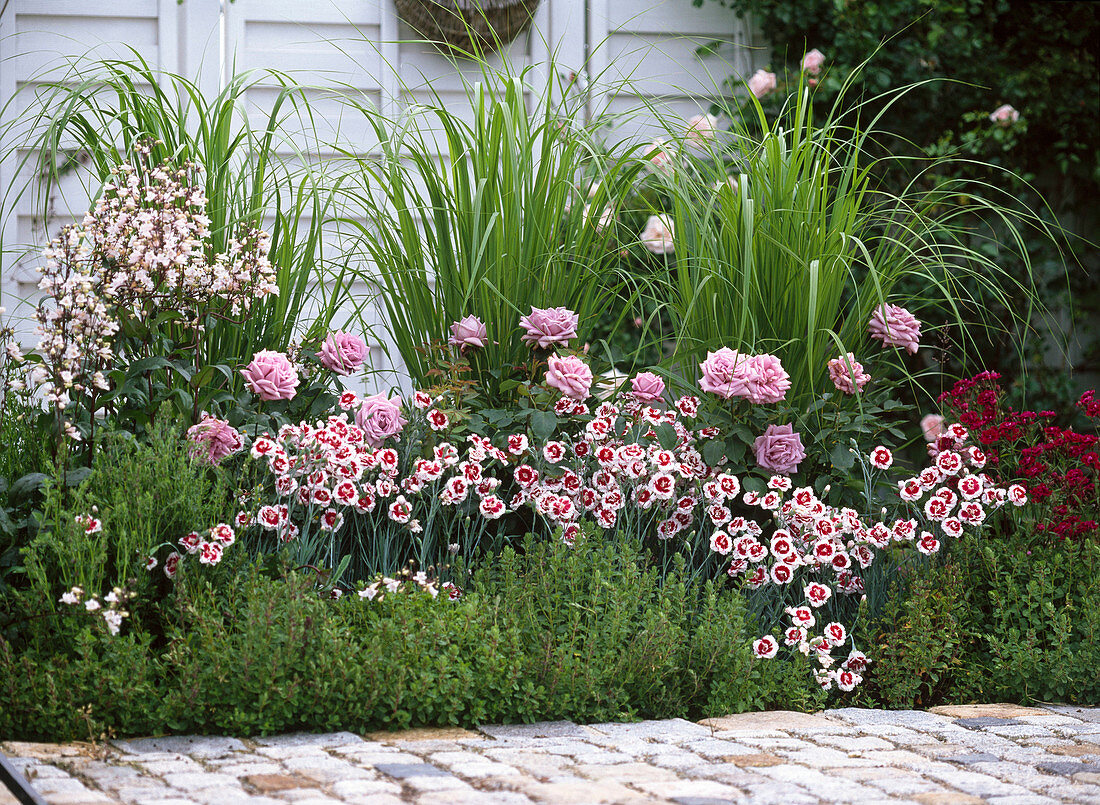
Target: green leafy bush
[587,634]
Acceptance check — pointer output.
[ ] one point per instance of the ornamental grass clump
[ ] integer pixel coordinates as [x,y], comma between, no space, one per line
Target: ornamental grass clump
[779,240]
[227,218]
[483,219]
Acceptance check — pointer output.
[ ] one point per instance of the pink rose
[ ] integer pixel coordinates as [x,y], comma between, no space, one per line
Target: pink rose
[606,219]
[720,374]
[213,439]
[660,157]
[342,352]
[779,449]
[845,379]
[1004,116]
[812,62]
[550,326]
[469,333]
[271,376]
[896,327]
[657,235]
[764,379]
[647,387]
[569,375]
[701,128]
[931,425]
[761,83]
[379,418]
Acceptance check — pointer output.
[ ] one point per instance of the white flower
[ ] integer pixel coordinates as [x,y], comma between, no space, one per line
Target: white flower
[657,235]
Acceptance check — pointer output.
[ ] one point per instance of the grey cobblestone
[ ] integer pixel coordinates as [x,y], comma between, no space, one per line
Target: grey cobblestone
[1000,754]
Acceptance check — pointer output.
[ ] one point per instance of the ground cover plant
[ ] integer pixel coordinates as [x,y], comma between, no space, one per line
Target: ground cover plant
[532,532]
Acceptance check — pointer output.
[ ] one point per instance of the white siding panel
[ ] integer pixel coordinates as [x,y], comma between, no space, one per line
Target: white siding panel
[642,53]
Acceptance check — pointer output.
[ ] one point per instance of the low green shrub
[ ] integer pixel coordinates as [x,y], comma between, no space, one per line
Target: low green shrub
[589,633]
[995,623]
[137,497]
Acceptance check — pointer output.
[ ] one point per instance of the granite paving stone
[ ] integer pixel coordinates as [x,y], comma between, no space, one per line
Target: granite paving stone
[993,753]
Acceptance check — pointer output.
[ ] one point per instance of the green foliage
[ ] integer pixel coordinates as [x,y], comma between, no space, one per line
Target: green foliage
[1037,617]
[95,687]
[587,634]
[495,227]
[919,653]
[147,496]
[970,57]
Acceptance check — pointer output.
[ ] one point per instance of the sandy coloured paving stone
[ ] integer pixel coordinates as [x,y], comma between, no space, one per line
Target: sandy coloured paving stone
[947,798]
[753,759]
[771,720]
[420,734]
[997,710]
[266,783]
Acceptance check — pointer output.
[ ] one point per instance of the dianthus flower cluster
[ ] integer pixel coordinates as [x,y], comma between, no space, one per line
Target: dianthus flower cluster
[1061,466]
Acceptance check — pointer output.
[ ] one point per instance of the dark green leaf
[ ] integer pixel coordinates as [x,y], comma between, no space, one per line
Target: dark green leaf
[543,424]
[666,435]
[842,457]
[27,484]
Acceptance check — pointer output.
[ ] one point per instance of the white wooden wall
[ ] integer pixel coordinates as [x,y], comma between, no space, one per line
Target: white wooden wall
[638,52]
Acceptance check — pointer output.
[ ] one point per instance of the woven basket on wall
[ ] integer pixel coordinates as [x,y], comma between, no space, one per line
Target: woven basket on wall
[468,26]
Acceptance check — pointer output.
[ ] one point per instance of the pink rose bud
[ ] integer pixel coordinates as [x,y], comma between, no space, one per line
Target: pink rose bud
[469,333]
[1004,116]
[848,380]
[896,327]
[812,62]
[657,235]
[779,449]
[931,426]
[271,376]
[342,352]
[761,83]
[569,375]
[547,327]
[647,387]
[213,440]
[379,418]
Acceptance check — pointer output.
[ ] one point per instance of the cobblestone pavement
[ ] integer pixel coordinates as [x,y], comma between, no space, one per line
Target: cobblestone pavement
[1000,754]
